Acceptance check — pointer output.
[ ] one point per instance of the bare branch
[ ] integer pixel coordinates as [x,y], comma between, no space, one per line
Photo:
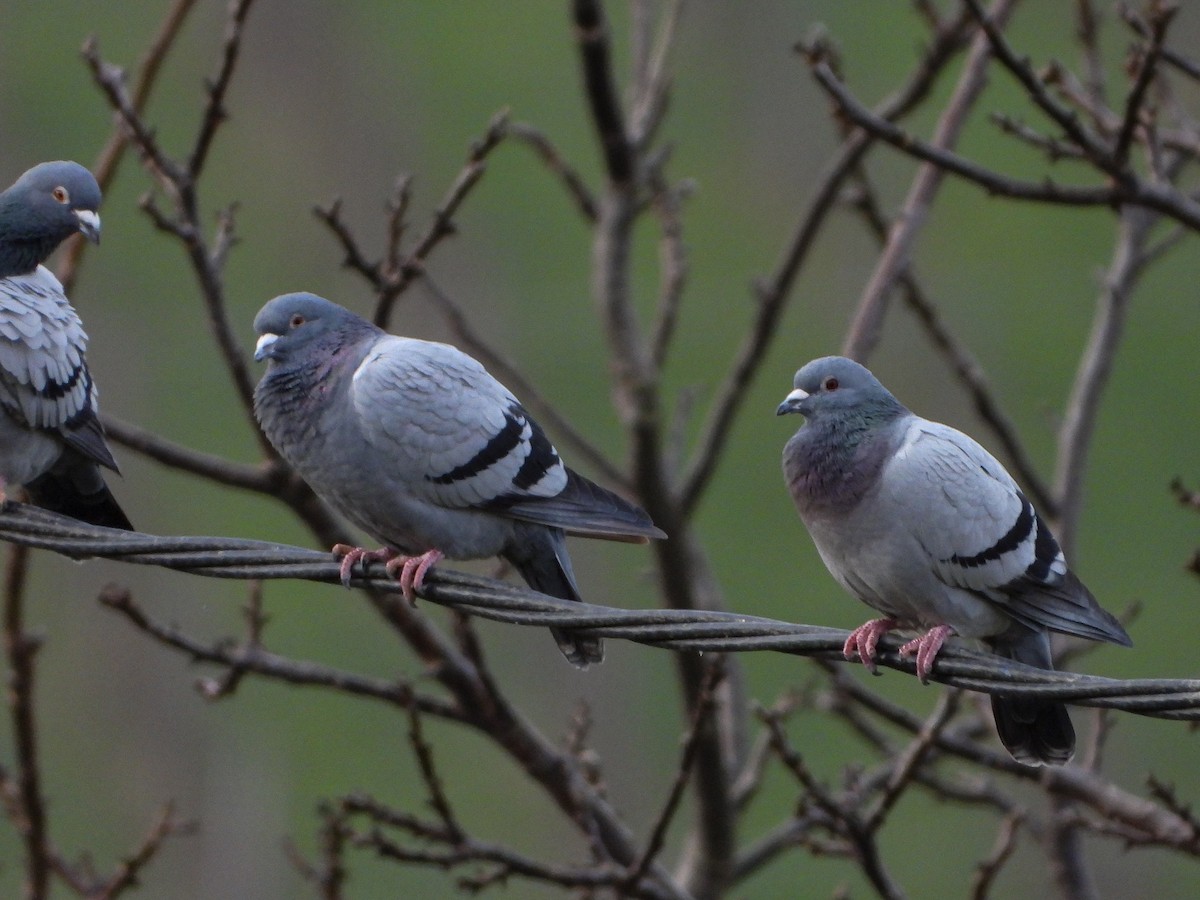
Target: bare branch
[129,870]
[332,217]
[578,191]
[1036,91]
[988,869]
[592,33]
[1087,28]
[1146,68]
[1143,29]
[715,672]
[20,648]
[906,763]
[772,293]
[261,478]
[963,362]
[251,657]
[109,159]
[1095,366]
[843,819]
[214,112]
[180,182]
[437,795]
[651,82]
[442,224]
[867,326]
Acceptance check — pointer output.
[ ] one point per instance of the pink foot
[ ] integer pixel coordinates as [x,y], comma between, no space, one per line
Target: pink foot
[412,571]
[864,639]
[926,647]
[352,556]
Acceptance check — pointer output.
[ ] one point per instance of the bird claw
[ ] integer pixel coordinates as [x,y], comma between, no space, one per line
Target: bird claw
[864,639]
[926,647]
[352,556]
[412,571]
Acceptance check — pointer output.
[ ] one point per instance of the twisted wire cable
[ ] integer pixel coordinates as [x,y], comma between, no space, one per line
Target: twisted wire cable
[674,629]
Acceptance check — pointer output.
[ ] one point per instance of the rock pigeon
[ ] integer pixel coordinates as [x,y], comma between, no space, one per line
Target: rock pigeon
[418,445]
[918,521]
[50,439]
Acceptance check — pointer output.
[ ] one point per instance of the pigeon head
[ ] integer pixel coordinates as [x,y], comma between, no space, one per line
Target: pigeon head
[836,386]
[46,205]
[293,325]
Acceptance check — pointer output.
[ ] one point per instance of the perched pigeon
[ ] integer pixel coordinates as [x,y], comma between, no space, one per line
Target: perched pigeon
[921,523]
[417,444]
[50,439]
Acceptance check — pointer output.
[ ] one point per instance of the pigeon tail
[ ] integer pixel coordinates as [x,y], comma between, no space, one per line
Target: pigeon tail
[1035,732]
[540,555]
[91,502]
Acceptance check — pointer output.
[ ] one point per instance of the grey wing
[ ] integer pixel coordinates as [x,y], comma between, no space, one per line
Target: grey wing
[44,379]
[468,443]
[983,535]
[463,439]
[585,508]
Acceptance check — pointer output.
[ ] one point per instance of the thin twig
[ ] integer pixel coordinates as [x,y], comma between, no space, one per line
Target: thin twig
[109,159]
[433,783]
[1146,68]
[20,648]
[1095,367]
[129,869]
[772,293]
[214,111]
[575,186]
[1035,89]
[905,764]
[1155,196]
[964,363]
[251,658]
[867,325]
[987,870]
[703,710]
[592,34]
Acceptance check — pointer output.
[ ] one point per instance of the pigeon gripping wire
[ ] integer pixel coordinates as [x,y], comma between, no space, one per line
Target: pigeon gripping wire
[671,629]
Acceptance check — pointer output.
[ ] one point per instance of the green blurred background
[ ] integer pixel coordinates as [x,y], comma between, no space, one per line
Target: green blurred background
[336,100]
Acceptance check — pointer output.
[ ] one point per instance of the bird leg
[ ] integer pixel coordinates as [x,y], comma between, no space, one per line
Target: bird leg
[863,640]
[351,556]
[926,648]
[412,570]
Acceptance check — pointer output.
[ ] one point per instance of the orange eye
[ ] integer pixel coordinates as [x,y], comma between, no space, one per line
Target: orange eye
[60,194]
[297,320]
[831,383]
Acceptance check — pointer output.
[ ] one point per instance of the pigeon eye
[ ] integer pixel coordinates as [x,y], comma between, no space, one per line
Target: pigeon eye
[60,194]
[831,384]
[297,321]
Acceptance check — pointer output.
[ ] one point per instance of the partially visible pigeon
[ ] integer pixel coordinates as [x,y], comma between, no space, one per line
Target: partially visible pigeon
[417,444]
[50,439]
[918,521]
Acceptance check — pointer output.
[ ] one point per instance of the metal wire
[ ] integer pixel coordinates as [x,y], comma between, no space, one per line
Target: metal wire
[675,629]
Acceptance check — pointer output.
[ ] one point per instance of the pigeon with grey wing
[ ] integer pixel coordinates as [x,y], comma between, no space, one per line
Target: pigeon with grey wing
[918,521]
[418,445]
[50,437]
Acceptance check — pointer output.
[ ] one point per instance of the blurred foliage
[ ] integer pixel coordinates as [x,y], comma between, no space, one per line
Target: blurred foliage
[337,100]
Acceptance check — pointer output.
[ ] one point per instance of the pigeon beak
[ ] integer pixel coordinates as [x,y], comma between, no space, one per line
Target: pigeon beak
[791,403]
[89,224]
[262,349]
